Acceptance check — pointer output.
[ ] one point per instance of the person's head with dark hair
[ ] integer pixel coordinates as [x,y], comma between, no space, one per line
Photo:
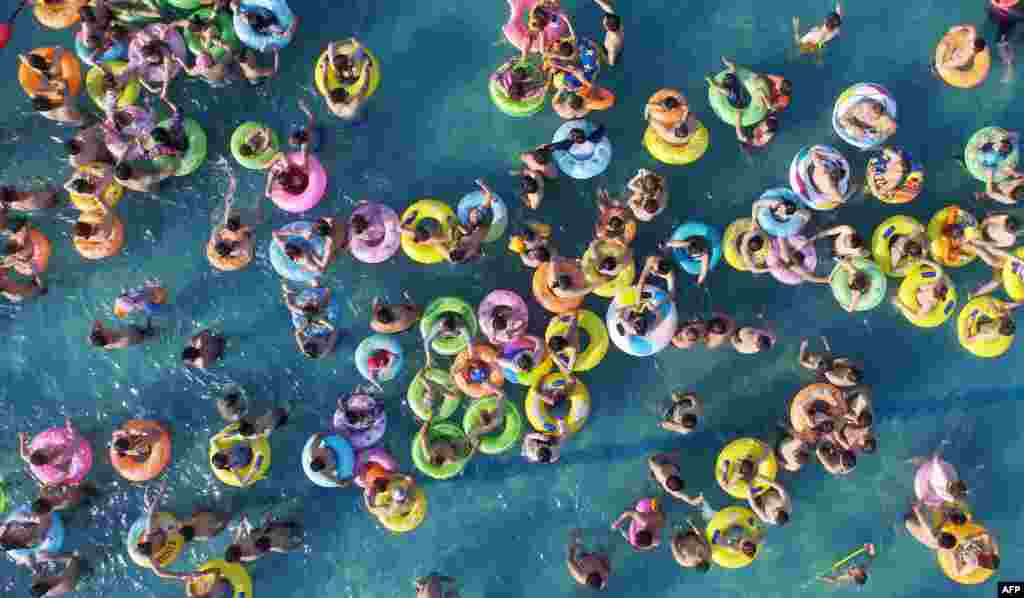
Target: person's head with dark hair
[541,254]
[869,445]
[544,454]
[563,281]
[37,62]
[566,48]
[458,255]
[233,554]
[946,541]
[190,354]
[292,250]
[83,230]
[233,224]
[860,576]
[322,227]
[989,560]
[781,517]
[557,343]
[731,81]
[859,282]
[771,124]
[421,234]
[914,249]
[223,248]
[317,464]
[833,21]
[651,205]
[595,581]
[359,224]
[263,544]
[575,102]
[43,104]
[958,489]
[84,186]
[1007,327]
[674,483]
[73,146]
[755,243]
[220,460]
[697,247]
[123,118]
[245,150]
[688,421]
[764,342]
[38,458]
[979,44]
[87,14]
[123,171]
[528,184]
[97,339]
[122,445]
[41,506]
[643,538]
[702,567]
[611,21]
[339,95]
[748,547]
[747,468]
[670,102]
[246,428]
[786,87]
[153,52]
[847,459]
[717,325]
[608,264]
[856,241]
[577,135]
[188,532]
[957,517]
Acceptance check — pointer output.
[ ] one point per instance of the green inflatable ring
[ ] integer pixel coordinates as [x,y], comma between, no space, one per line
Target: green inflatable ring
[494,443]
[3,496]
[972,153]
[184,4]
[439,307]
[416,395]
[194,156]
[259,161]
[839,280]
[419,458]
[225,25]
[521,108]
[754,112]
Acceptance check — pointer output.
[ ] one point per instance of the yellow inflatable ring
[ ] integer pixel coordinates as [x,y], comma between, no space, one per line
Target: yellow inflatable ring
[1013,278]
[228,438]
[98,250]
[596,343]
[96,87]
[236,574]
[733,257]
[745,449]
[727,556]
[434,210]
[677,155]
[412,519]
[946,557]
[60,15]
[967,322]
[608,248]
[111,195]
[964,79]
[943,247]
[820,392]
[919,276]
[881,241]
[539,414]
[324,87]
[168,553]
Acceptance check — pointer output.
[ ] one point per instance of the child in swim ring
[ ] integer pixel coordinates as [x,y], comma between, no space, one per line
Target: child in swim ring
[539,160]
[697,249]
[392,318]
[826,176]
[531,186]
[443,451]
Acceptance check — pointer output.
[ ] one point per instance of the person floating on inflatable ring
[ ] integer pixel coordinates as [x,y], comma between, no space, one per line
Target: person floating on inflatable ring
[250,543]
[442,452]
[648,195]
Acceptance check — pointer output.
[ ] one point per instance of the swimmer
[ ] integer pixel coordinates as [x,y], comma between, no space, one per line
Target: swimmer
[697,249]
[648,195]
[578,138]
[749,340]
[250,544]
[120,338]
[250,68]
[690,334]
[232,404]
[168,139]
[868,117]
[27,201]
[57,110]
[156,53]
[390,495]
[842,372]
[658,267]
[232,239]
[720,328]
[202,525]
[142,180]
[751,247]
[758,135]
[858,405]
[1008,58]
[323,460]
[136,443]
[56,457]
[304,138]
[857,574]
[542,447]
[792,260]
[958,49]
[306,259]
[592,569]
[435,238]
[782,209]
[650,523]
[341,102]
[565,348]
[203,350]
[432,390]
[918,524]
[745,472]
[691,550]
[672,130]
[569,105]
[262,21]
[540,160]
[847,243]
[814,40]
[1000,230]
[565,285]
[825,176]
[854,437]
[334,229]
[888,170]
[219,585]
[614,37]
[780,92]
[259,140]
[531,186]
[683,415]
[88,146]
[977,551]
[908,250]
[18,250]
[238,457]
[665,471]
[432,586]
[442,451]
[505,322]
[490,419]
[813,360]
[27,530]
[730,87]
[793,450]
[929,295]
[857,282]
[614,219]
[216,73]
[773,505]
[469,236]
[50,84]
[286,175]
[737,537]
[51,586]
[264,425]
[644,315]
[534,244]
[449,325]
[91,182]
[836,460]
[989,329]
[392,318]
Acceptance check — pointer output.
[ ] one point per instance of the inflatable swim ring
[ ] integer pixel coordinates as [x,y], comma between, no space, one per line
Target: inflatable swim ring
[713,241]
[728,556]
[132,468]
[261,160]
[228,438]
[908,189]
[331,313]
[92,249]
[225,26]
[981,154]
[464,371]
[433,210]
[496,442]
[517,31]
[947,558]
[839,280]
[592,257]
[372,344]
[234,573]
[967,323]
[344,459]
[172,42]
[547,298]
[58,15]
[381,219]
[592,334]
[365,433]
[41,250]
[539,414]
[931,482]
[814,396]
[919,276]
[316,186]
[324,86]
[32,81]
[503,300]
[775,226]
[500,83]
[496,216]
[448,305]
[536,349]
[854,95]
[96,88]
[745,449]
[261,42]
[677,155]
[443,430]
[116,50]
[168,553]
[1013,277]
[54,439]
[371,463]
[285,266]
[754,85]
[52,542]
[881,243]
[416,396]
[733,234]
[585,160]
[412,519]
[944,247]
[656,338]
[194,156]
[959,77]
[112,190]
[801,181]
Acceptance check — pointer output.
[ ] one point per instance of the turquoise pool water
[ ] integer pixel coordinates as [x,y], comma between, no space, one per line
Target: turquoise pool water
[502,527]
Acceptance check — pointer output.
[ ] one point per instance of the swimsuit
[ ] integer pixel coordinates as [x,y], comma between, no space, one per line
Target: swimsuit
[239,455]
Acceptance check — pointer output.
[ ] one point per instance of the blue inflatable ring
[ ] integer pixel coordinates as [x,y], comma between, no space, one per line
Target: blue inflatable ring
[332,314]
[117,51]
[373,343]
[771,224]
[498,214]
[52,542]
[583,162]
[657,338]
[259,41]
[344,456]
[285,266]
[697,229]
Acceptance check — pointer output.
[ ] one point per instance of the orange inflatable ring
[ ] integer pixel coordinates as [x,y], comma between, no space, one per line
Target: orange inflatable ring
[598,98]
[159,458]
[70,72]
[663,115]
[227,264]
[463,364]
[98,250]
[547,299]
[807,397]
[964,79]
[58,15]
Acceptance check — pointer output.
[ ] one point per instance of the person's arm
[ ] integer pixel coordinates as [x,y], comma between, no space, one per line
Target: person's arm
[310,130]
[741,135]
[425,436]
[705,262]
[364,78]
[626,515]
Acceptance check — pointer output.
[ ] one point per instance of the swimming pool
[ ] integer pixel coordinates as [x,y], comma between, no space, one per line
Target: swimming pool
[502,527]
